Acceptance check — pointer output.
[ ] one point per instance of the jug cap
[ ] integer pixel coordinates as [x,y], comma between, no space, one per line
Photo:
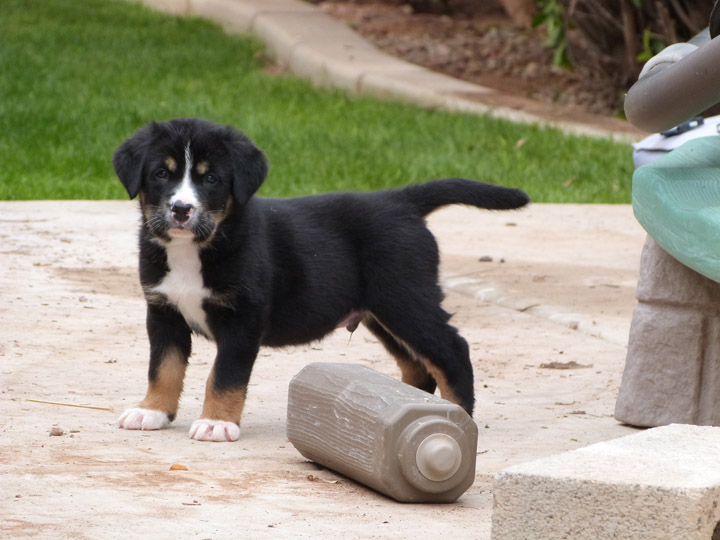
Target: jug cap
[438,457]
[434,454]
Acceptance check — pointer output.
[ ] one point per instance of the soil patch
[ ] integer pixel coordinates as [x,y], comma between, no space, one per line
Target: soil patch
[483,47]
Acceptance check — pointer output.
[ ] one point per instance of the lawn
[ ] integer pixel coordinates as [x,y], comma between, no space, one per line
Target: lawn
[77,78]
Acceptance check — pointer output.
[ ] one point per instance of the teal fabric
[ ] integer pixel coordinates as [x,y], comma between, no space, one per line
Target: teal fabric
[676,198]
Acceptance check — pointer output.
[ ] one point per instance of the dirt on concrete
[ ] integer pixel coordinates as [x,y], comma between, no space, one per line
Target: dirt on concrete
[544,297]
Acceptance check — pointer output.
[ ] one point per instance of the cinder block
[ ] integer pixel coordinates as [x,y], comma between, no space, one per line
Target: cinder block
[663,371]
[665,280]
[661,484]
[672,371]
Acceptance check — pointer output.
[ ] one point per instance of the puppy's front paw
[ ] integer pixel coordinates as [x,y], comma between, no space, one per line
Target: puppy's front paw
[144,419]
[214,430]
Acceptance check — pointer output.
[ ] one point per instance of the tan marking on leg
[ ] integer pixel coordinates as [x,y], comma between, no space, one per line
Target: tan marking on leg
[224,405]
[202,167]
[164,391]
[413,372]
[445,390]
[420,364]
[171,164]
[412,369]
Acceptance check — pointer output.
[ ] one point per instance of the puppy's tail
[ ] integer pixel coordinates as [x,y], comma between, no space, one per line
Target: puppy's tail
[432,195]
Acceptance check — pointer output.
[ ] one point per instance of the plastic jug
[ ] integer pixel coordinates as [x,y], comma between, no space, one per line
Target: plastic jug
[392,437]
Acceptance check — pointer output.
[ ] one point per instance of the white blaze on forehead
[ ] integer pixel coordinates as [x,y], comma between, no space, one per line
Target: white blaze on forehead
[186,191]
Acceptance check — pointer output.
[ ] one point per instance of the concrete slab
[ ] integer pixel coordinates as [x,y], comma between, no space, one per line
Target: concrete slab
[73,334]
[662,484]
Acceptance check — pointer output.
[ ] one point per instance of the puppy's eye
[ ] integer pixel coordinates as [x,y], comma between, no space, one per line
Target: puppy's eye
[161,174]
[211,178]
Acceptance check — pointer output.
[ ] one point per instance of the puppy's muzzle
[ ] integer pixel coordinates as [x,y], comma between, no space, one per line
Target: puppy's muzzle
[182,212]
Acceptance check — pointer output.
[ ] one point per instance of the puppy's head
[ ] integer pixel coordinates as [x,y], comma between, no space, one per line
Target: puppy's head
[188,174]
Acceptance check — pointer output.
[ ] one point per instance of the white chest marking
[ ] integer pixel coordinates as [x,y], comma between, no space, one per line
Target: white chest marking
[183,284]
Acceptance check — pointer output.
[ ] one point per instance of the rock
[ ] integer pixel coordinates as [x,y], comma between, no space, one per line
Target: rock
[532,71]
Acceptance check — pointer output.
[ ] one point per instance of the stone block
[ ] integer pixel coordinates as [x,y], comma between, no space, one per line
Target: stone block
[672,370]
[663,279]
[660,384]
[708,411]
[660,484]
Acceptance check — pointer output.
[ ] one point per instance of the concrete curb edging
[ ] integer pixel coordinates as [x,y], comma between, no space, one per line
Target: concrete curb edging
[482,292]
[313,45]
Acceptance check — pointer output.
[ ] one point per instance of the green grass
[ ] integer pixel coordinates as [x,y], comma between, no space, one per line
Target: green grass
[77,78]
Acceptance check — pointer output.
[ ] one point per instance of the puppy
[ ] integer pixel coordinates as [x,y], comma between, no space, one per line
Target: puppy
[246,271]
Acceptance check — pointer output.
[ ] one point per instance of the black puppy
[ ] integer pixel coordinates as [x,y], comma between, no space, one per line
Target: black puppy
[247,271]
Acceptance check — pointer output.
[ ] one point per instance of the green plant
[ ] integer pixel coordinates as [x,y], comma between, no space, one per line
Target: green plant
[651,45]
[609,39]
[551,14]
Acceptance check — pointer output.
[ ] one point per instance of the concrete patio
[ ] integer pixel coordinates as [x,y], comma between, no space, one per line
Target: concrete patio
[544,296]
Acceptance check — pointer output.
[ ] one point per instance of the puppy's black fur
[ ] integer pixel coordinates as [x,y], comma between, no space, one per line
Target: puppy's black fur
[281,272]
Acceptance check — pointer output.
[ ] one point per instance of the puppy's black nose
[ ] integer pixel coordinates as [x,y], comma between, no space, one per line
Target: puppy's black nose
[181,211]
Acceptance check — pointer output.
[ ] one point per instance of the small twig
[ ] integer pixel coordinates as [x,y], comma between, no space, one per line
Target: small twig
[667,23]
[608,16]
[71,405]
[684,17]
[314,478]
[628,31]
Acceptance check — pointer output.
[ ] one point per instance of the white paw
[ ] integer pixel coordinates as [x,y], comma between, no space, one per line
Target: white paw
[214,430]
[144,419]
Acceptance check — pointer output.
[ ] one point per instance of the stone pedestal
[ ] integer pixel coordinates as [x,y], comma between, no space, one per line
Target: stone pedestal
[672,371]
[660,484]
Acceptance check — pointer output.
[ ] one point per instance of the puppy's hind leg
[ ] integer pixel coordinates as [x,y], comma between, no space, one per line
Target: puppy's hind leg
[412,368]
[170,346]
[424,330]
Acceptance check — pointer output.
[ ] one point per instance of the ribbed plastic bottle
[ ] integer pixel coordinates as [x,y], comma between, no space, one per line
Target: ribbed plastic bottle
[392,437]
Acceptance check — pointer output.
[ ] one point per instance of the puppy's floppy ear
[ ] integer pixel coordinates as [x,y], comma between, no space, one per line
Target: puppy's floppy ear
[128,160]
[250,166]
